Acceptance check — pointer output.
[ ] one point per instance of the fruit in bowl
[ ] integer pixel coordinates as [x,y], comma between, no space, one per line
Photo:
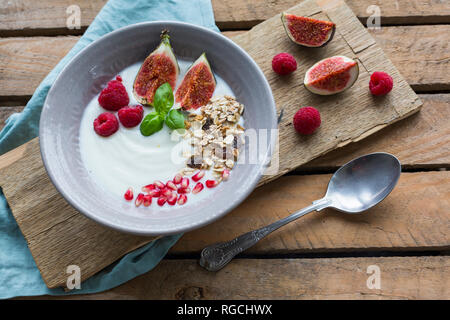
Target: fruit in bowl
[102,177]
[159,67]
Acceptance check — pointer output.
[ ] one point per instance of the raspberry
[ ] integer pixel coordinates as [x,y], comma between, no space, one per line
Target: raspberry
[380,83]
[114,96]
[131,116]
[106,124]
[284,63]
[307,120]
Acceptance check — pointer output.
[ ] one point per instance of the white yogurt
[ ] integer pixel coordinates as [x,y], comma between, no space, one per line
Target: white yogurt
[127,158]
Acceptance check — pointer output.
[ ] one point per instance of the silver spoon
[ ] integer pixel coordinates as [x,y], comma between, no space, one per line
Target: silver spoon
[355,187]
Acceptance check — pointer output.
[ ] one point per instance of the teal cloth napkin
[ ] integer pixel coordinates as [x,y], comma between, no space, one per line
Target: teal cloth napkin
[19,275]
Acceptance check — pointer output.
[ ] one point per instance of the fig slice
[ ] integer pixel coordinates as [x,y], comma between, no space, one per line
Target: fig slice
[198,85]
[159,67]
[332,75]
[308,32]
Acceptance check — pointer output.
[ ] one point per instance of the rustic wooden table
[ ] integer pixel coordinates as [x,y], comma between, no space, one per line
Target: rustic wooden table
[325,255]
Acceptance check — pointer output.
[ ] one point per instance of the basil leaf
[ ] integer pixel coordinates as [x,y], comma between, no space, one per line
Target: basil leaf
[163,99]
[175,119]
[153,122]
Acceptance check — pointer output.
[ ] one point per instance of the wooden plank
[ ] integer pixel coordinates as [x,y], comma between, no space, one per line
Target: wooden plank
[420,203]
[44,216]
[43,200]
[351,40]
[414,217]
[421,141]
[24,62]
[273,279]
[49,17]
[5,112]
[412,47]
[403,11]
[240,14]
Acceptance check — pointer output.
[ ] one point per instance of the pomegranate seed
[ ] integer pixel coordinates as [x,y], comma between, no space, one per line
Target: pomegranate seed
[177,179]
[225,174]
[147,200]
[182,199]
[161,201]
[166,192]
[148,188]
[155,193]
[211,183]
[159,184]
[139,199]
[129,194]
[198,187]
[184,190]
[198,176]
[185,183]
[172,199]
[171,185]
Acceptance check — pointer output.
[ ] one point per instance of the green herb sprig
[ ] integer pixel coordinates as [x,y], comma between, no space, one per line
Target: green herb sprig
[163,102]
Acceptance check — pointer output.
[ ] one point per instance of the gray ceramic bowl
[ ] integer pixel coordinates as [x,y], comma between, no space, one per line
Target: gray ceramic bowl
[88,73]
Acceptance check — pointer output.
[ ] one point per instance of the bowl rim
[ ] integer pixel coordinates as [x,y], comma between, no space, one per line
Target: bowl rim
[263,164]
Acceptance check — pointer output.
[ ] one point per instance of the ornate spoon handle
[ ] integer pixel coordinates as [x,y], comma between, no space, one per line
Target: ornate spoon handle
[217,256]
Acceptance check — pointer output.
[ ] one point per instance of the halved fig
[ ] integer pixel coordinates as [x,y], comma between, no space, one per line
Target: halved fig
[332,75]
[306,31]
[197,86]
[159,67]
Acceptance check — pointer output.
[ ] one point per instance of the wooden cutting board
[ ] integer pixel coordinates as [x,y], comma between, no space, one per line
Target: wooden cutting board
[59,236]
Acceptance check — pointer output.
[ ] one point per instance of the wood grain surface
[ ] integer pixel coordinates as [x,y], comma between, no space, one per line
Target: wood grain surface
[339,278]
[409,221]
[340,125]
[422,141]
[5,112]
[74,239]
[352,40]
[49,17]
[419,53]
[414,217]
[57,234]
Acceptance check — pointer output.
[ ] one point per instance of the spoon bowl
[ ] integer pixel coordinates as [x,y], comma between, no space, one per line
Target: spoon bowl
[363,182]
[357,186]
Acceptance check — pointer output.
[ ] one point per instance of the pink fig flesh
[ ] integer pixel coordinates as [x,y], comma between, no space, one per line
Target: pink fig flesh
[158,68]
[306,31]
[332,75]
[197,86]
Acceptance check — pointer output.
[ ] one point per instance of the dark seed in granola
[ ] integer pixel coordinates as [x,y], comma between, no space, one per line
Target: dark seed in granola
[195,162]
[207,124]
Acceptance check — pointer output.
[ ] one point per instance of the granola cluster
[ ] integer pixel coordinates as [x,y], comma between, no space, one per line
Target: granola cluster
[215,136]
